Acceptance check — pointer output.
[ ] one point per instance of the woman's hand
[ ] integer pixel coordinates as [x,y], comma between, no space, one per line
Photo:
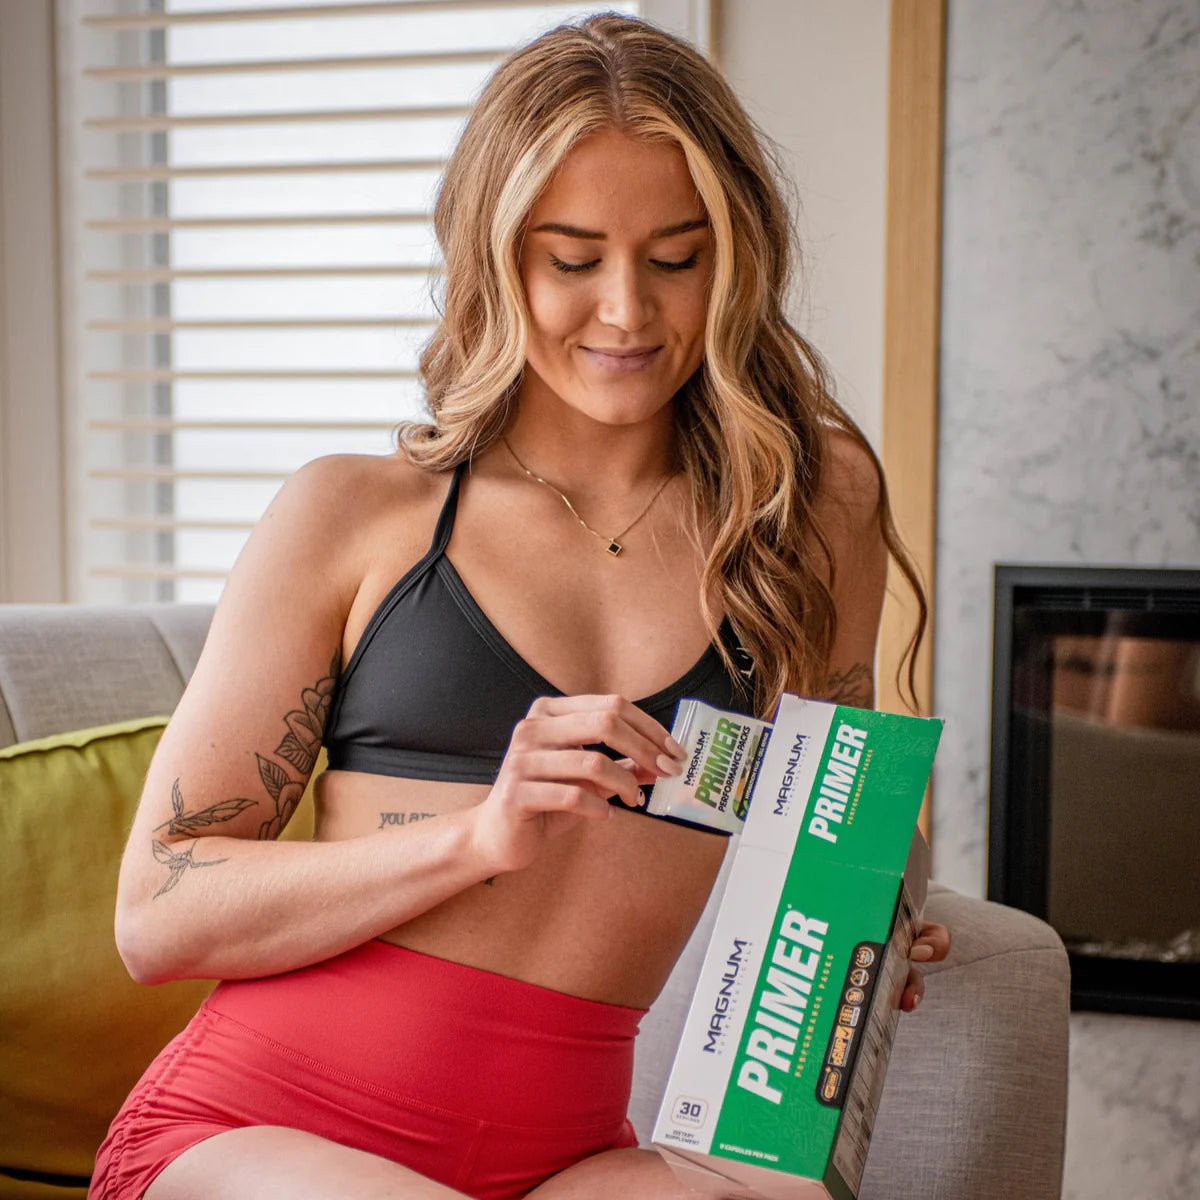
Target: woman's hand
[548,781]
[932,944]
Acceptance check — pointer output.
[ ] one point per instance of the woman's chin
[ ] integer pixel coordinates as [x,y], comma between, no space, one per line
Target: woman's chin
[619,402]
[621,413]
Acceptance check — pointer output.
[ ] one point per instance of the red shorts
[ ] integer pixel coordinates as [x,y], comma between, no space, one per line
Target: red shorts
[484,1083]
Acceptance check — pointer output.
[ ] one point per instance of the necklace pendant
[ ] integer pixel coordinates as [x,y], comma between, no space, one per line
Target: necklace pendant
[613,547]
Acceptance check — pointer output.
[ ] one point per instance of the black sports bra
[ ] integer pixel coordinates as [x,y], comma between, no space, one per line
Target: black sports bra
[433,691]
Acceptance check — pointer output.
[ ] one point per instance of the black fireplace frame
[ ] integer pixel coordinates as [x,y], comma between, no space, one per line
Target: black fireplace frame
[1018,834]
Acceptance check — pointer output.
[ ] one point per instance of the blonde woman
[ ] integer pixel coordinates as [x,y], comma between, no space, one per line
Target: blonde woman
[635,487]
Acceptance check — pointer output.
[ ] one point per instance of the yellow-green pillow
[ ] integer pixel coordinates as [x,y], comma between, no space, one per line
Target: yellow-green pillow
[75,1031]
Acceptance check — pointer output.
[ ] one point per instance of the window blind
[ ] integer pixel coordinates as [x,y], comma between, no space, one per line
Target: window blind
[248,249]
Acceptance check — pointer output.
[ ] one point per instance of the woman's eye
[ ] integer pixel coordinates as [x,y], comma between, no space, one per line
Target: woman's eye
[685,265]
[568,268]
[571,268]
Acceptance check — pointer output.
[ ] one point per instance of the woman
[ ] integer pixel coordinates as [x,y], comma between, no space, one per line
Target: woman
[632,456]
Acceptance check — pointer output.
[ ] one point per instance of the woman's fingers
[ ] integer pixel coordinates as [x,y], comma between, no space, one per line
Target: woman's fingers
[596,727]
[613,720]
[639,772]
[932,944]
[549,778]
[584,768]
[914,990]
[542,796]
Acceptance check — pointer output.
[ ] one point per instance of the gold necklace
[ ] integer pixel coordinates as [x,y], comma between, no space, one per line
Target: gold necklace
[613,544]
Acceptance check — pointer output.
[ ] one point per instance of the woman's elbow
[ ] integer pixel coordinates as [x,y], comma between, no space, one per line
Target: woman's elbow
[145,946]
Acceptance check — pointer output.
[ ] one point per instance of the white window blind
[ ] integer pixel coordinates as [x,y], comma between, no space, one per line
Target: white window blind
[246,197]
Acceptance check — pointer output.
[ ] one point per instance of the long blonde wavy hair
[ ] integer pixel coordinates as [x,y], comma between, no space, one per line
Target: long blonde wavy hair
[753,422]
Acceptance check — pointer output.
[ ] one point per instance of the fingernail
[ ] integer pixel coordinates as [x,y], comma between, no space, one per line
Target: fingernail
[921,953]
[916,1002]
[668,766]
[641,798]
[675,748]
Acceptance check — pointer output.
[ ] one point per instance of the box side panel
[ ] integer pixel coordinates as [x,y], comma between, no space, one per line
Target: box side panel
[713,1029]
[860,1102]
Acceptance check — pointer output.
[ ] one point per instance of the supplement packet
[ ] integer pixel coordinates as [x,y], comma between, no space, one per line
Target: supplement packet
[723,751]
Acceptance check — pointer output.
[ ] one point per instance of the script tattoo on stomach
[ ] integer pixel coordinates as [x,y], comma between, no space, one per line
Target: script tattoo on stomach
[299,749]
[403,818]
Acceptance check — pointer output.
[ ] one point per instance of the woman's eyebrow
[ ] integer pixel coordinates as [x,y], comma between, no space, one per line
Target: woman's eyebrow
[592,235]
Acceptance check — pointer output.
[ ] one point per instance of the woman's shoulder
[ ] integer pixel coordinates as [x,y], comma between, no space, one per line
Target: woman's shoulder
[339,509]
[349,480]
[850,486]
[347,494]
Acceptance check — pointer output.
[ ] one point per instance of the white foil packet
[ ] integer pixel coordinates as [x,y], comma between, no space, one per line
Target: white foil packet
[723,751]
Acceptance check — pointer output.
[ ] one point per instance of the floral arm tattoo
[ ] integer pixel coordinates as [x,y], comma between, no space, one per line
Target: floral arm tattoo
[854,687]
[299,748]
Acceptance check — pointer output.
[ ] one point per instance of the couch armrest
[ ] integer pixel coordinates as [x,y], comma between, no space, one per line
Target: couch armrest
[975,1101]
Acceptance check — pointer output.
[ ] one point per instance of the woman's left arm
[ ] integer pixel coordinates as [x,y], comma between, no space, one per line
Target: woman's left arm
[846,510]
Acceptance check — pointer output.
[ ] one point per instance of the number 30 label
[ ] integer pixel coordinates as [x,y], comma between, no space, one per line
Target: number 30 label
[689,1111]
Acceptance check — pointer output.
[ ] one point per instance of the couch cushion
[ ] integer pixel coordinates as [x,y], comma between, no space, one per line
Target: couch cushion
[69,666]
[75,1031]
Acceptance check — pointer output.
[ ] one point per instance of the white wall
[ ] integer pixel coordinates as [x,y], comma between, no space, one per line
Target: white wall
[814,76]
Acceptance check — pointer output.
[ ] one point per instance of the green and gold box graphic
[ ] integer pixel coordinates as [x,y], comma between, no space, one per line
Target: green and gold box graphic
[778,1074]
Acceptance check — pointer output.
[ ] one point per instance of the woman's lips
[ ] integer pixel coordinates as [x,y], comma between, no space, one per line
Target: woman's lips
[620,362]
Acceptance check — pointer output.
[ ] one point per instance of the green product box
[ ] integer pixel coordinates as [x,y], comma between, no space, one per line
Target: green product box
[779,1071]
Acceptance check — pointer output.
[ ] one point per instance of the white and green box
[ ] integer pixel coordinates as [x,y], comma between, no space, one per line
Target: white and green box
[778,1074]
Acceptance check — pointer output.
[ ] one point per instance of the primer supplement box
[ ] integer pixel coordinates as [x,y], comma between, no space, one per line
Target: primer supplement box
[778,1074]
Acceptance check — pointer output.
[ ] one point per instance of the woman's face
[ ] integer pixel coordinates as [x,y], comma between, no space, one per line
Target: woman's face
[616,263]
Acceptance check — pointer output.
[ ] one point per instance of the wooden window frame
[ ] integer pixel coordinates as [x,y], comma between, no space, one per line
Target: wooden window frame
[912,316]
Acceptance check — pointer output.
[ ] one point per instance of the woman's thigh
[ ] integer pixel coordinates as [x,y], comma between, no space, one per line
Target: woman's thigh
[270,1162]
[630,1174]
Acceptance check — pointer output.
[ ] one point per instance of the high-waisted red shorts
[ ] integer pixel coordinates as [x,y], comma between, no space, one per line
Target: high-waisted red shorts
[484,1083]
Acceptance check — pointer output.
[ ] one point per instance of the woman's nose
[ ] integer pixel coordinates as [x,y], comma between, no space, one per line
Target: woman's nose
[626,300]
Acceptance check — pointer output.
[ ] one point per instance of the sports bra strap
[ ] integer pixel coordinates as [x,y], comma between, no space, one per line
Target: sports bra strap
[445,521]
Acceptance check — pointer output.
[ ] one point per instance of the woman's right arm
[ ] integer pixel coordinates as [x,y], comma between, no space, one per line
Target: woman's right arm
[205,890]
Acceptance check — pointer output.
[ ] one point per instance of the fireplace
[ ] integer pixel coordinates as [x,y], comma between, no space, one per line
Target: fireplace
[1094,820]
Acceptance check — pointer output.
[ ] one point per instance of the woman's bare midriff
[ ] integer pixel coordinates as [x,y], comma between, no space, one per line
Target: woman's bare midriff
[607,907]
[602,913]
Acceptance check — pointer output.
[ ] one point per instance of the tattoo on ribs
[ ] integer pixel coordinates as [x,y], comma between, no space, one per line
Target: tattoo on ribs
[299,748]
[854,687]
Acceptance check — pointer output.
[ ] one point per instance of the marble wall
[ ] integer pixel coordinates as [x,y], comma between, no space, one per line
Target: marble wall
[1070,428]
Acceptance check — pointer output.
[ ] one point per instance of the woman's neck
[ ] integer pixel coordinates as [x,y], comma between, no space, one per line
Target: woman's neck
[586,457]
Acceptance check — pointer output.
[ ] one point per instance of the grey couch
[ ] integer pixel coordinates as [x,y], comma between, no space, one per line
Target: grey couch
[975,1102]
